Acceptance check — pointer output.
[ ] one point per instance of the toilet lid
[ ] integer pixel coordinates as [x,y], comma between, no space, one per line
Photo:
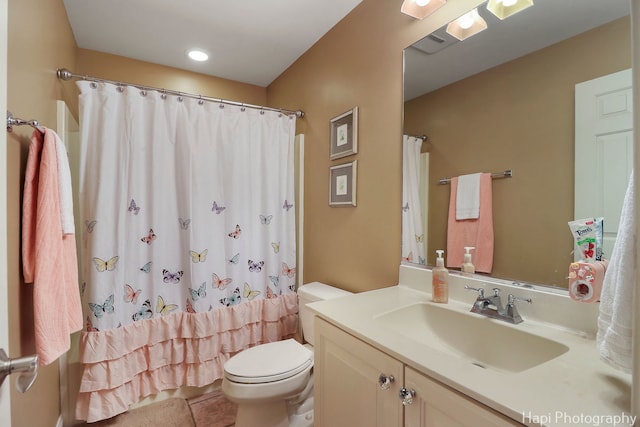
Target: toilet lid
[268,362]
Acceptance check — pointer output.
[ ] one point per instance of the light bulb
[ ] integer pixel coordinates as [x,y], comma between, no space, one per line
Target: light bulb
[198,55]
[509,3]
[422,3]
[466,21]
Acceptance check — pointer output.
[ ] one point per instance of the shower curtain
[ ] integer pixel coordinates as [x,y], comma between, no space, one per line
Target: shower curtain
[412,230]
[188,242]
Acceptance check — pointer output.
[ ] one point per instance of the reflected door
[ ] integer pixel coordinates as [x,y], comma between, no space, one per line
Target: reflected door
[603,150]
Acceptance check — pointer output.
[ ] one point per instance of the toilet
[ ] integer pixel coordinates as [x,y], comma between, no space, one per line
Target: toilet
[272,383]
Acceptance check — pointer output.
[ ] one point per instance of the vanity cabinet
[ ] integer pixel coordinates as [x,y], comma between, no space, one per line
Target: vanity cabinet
[353,387]
[346,382]
[436,405]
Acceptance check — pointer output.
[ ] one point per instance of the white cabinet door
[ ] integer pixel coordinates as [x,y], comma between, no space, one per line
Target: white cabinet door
[436,405]
[346,389]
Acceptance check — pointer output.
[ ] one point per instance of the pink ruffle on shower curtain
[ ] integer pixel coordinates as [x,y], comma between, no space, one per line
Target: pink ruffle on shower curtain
[188,246]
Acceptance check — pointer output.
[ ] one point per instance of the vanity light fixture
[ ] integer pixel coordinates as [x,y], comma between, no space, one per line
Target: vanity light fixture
[505,8]
[420,9]
[467,25]
[197,55]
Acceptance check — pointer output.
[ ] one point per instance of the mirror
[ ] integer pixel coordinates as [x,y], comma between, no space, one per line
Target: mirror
[504,99]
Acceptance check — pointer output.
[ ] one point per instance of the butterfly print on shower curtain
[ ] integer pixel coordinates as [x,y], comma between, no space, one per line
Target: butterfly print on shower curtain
[217,209]
[164,308]
[90,327]
[90,225]
[131,295]
[234,259]
[201,292]
[169,277]
[133,208]
[290,272]
[265,219]
[150,237]
[236,233]
[219,283]
[144,312]
[102,265]
[198,257]
[249,293]
[99,310]
[255,266]
[147,267]
[233,299]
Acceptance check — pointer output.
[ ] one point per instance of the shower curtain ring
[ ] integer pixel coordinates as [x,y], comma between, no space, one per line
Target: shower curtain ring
[200,101]
[163,94]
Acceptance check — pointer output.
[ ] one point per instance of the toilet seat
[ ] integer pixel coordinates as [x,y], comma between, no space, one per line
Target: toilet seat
[269,362]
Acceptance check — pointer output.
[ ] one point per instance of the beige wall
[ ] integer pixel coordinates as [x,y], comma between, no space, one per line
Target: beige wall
[359,62]
[520,116]
[118,68]
[39,40]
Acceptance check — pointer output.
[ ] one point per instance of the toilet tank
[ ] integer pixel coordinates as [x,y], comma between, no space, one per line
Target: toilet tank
[312,292]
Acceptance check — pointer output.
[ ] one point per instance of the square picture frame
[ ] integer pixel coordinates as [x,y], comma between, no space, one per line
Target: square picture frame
[342,184]
[344,134]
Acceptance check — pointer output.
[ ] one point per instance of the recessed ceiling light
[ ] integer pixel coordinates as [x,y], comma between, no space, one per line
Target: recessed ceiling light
[197,55]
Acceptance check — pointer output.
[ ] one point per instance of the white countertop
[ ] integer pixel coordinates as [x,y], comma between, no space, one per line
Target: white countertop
[566,390]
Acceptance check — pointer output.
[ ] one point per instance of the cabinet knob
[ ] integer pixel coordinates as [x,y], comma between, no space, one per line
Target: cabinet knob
[384,381]
[406,396]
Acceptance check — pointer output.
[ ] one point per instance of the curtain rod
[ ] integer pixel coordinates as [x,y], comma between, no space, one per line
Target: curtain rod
[504,174]
[65,74]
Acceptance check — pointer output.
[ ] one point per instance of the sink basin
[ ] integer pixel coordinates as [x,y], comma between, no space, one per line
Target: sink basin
[484,342]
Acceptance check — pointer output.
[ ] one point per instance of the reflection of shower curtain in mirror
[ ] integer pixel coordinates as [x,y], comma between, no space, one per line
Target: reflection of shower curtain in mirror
[188,247]
[412,230]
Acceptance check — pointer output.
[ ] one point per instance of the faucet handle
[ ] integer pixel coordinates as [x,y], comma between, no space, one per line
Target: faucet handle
[479,290]
[512,299]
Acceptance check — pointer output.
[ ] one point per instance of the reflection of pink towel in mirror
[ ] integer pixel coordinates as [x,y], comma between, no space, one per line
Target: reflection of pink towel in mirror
[471,232]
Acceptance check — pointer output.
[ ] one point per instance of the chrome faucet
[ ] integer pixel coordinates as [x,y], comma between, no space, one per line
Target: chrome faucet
[492,306]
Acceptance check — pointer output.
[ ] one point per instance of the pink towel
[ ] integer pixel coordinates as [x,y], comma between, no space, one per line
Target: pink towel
[48,257]
[471,232]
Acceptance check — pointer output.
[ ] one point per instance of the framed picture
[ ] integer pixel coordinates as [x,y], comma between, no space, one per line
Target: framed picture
[342,184]
[344,134]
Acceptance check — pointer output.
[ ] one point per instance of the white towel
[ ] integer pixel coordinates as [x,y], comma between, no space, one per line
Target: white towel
[468,197]
[616,300]
[64,188]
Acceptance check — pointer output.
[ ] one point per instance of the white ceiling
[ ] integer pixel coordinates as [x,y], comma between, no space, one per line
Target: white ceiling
[545,23]
[251,41]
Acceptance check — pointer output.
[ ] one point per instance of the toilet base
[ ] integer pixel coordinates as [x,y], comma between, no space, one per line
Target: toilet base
[272,414]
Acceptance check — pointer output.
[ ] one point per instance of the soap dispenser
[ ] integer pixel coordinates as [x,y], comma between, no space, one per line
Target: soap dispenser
[440,280]
[467,266]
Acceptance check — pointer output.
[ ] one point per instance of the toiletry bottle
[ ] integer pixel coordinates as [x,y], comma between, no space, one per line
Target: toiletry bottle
[440,280]
[467,266]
